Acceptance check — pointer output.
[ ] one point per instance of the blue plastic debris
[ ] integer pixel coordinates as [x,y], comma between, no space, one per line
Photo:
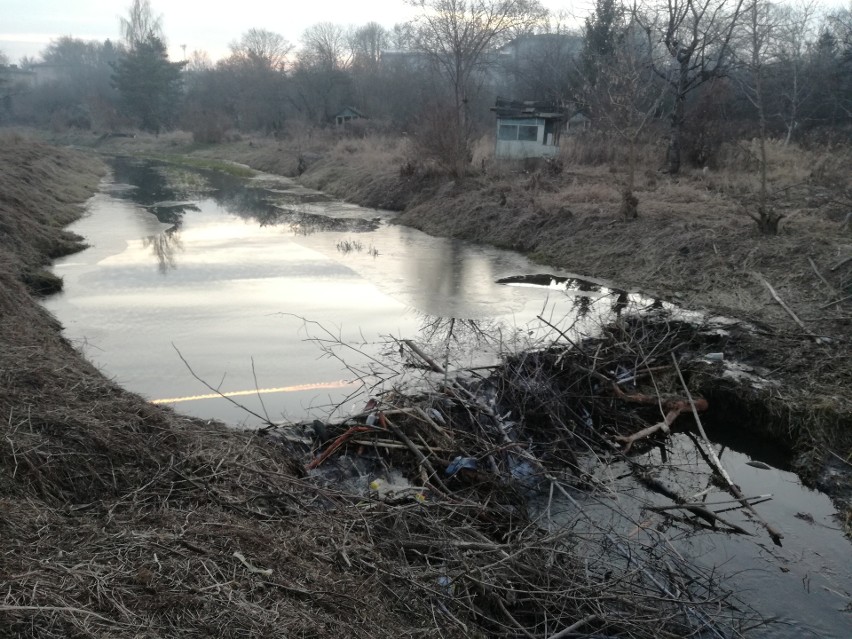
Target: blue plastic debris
[459,463]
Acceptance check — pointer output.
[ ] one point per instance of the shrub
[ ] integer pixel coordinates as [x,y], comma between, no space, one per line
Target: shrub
[207,127]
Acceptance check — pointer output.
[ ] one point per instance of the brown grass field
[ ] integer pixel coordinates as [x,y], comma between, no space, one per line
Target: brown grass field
[121,519]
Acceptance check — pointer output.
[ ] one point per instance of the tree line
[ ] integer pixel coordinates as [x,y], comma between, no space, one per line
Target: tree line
[695,71]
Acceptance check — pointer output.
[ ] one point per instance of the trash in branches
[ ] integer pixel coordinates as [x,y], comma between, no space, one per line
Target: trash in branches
[502,463]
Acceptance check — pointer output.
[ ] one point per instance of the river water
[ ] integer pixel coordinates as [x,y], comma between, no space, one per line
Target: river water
[240,281]
[262,285]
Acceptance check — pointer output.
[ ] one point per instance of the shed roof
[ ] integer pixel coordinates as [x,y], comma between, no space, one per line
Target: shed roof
[527,109]
[350,112]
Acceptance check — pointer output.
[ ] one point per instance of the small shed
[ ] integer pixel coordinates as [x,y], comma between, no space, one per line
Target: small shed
[347,114]
[527,129]
[578,122]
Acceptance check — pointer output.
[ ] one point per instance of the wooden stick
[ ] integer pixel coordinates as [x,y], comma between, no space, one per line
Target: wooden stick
[71,609]
[774,533]
[384,443]
[785,307]
[664,425]
[819,275]
[842,299]
[574,627]
[704,513]
[443,432]
[840,263]
[432,363]
[421,458]
[699,510]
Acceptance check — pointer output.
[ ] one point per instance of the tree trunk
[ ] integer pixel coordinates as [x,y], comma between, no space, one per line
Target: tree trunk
[629,202]
[768,219]
[674,150]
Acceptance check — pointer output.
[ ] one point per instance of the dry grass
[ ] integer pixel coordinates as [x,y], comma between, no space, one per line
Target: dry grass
[121,519]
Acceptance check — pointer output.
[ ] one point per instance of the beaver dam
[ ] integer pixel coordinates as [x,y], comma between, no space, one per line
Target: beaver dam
[595,483]
[588,464]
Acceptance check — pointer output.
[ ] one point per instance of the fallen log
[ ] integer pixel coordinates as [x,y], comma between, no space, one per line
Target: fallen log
[774,533]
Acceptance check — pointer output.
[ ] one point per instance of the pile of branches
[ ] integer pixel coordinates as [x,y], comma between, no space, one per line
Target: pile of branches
[491,456]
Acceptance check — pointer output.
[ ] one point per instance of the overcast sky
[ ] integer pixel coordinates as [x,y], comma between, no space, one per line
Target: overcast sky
[27,26]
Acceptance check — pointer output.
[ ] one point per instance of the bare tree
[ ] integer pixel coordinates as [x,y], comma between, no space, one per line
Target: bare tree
[624,95]
[760,28]
[320,80]
[792,36]
[546,71]
[401,36]
[325,45]
[199,61]
[366,44]
[693,39]
[457,36]
[141,25]
[263,49]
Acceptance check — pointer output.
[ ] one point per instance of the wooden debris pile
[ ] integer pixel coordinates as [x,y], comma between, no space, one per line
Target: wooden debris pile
[481,450]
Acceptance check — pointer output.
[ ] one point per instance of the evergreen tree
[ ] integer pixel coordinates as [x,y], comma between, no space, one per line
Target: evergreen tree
[602,36]
[149,84]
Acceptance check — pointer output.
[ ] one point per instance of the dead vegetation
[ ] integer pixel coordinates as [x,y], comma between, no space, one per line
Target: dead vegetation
[123,519]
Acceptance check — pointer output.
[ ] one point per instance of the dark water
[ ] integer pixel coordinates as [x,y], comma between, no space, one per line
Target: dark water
[267,285]
[804,587]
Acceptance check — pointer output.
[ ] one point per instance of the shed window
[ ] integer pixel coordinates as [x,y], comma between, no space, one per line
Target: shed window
[522,132]
[528,133]
[508,132]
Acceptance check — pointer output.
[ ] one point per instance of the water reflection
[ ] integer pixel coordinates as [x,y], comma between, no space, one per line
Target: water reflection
[165,246]
[583,303]
[245,258]
[586,293]
[460,342]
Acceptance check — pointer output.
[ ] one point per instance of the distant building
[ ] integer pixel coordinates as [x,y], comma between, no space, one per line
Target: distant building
[577,123]
[12,75]
[47,73]
[527,129]
[403,60]
[537,66]
[348,114]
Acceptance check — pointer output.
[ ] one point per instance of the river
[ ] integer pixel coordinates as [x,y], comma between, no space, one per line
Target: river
[198,283]
[239,280]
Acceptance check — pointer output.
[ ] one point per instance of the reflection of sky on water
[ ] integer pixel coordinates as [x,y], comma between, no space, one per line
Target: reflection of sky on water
[225,290]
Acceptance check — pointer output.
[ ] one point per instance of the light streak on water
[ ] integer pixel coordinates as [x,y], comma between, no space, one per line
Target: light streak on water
[341,383]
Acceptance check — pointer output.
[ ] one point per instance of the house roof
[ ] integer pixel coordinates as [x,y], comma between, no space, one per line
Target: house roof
[350,112]
[518,109]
